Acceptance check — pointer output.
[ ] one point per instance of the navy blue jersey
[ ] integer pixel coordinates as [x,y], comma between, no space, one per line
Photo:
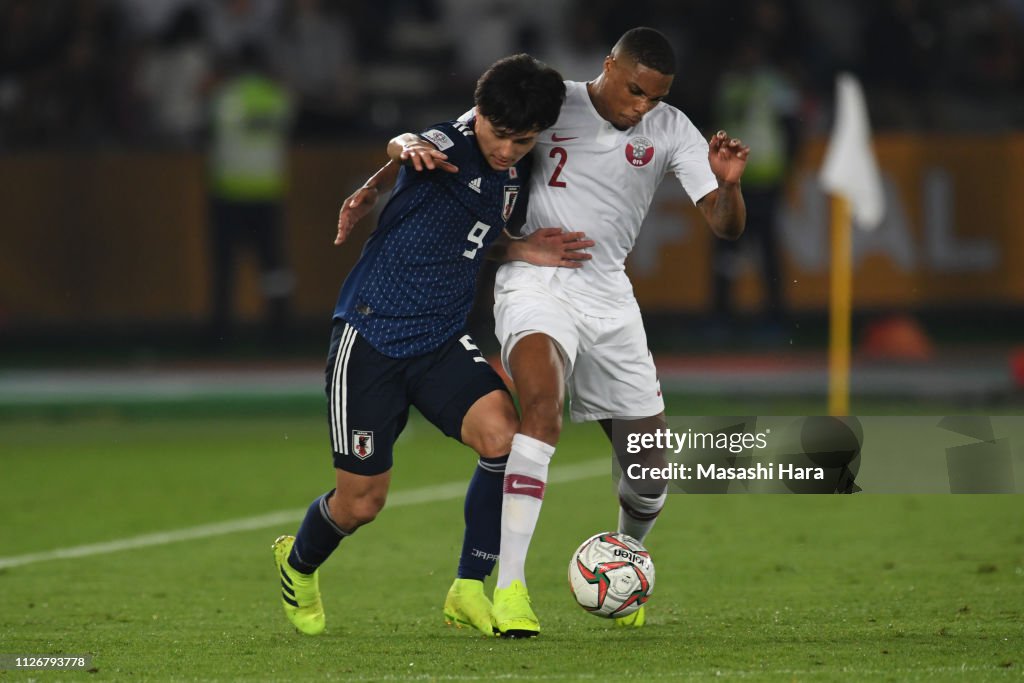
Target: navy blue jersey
[413,286]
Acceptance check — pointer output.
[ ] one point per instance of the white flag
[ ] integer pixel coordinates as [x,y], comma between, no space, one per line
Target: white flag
[850,169]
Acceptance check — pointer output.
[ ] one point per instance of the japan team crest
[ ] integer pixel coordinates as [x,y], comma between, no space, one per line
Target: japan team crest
[511,192]
[362,444]
[639,151]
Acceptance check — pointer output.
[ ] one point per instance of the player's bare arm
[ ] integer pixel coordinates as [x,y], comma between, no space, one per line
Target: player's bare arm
[361,202]
[724,208]
[545,247]
[407,148]
[412,150]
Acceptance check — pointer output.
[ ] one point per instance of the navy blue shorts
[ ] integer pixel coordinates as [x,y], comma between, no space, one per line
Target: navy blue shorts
[369,394]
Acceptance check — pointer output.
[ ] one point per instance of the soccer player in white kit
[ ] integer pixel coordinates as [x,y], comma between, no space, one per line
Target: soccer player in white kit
[597,170]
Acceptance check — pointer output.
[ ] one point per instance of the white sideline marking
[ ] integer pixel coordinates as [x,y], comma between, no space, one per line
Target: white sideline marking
[427,494]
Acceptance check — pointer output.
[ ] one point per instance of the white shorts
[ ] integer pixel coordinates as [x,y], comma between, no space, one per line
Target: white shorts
[610,372]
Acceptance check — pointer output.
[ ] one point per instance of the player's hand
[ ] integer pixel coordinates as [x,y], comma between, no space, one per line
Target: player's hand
[728,157]
[356,206]
[424,156]
[554,247]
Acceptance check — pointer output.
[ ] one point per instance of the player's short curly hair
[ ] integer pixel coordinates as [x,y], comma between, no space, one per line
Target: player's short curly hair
[649,48]
[520,94]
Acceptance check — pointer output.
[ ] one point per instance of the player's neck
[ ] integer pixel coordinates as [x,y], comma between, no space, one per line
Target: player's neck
[595,88]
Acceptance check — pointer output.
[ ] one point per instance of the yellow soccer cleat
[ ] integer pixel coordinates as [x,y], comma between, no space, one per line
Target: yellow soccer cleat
[636,619]
[513,615]
[300,593]
[466,605]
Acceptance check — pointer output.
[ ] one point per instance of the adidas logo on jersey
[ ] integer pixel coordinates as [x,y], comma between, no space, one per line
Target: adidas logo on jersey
[475,185]
[463,128]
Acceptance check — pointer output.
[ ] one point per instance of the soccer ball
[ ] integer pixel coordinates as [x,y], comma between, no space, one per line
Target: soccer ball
[611,575]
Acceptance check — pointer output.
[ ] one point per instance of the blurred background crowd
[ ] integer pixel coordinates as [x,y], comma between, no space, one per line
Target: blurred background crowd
[139,72]
[198,152]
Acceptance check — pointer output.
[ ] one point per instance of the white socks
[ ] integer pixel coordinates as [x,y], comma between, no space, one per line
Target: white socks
[526,476]
[637,514]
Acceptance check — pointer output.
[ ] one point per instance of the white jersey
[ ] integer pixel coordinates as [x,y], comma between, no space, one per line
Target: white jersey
[589,176]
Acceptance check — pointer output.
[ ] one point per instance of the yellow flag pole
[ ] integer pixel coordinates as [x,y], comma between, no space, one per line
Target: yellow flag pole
[840,306]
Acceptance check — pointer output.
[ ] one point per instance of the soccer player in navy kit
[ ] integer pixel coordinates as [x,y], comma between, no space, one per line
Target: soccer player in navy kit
[399,336]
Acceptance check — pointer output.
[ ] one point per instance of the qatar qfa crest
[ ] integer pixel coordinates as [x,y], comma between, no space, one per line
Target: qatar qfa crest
[509,203]
[362,444]
[639,151]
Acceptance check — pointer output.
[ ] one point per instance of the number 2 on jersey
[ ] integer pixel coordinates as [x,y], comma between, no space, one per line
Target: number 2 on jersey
[558,152]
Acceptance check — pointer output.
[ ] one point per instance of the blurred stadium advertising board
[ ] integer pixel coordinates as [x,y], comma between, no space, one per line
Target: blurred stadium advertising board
[121,237]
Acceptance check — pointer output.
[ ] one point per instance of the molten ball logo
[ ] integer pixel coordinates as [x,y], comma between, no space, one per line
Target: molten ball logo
[639,151]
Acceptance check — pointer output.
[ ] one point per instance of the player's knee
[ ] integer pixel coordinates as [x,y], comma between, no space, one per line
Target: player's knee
[364,510]
[356,511]
[496,441]
[490,424]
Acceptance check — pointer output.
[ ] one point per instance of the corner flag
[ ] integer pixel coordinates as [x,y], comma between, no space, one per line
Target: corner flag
[850,169]
[850,175]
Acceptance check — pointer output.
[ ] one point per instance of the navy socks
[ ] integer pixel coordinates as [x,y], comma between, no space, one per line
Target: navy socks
[317,537]
[482,513]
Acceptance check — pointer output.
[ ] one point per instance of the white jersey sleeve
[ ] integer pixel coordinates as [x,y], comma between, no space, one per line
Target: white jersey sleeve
[690,162]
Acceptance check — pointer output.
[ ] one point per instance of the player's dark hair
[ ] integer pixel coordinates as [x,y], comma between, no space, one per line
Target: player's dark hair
[520,94]
[649,48]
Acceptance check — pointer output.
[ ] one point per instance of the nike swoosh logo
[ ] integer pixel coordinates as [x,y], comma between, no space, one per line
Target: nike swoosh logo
[556,138]
[518,485]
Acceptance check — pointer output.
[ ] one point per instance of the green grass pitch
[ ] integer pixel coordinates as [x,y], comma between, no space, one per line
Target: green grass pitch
[775,588]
